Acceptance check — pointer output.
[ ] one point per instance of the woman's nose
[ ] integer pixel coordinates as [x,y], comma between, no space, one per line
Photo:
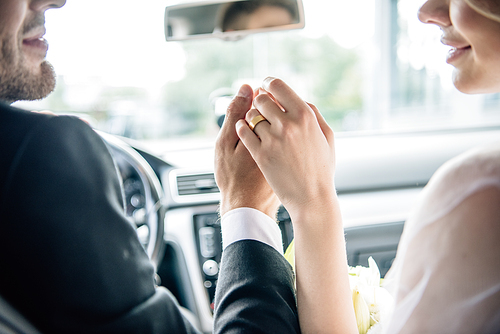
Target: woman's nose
[435,12]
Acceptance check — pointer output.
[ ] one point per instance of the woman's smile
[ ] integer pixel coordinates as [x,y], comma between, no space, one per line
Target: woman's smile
[456,53]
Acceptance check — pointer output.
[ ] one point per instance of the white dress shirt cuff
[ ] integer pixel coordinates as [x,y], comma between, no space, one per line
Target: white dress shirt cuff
[250,224]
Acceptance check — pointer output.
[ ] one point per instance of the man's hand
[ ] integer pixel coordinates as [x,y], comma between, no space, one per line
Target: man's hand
[294,148]
[239,179]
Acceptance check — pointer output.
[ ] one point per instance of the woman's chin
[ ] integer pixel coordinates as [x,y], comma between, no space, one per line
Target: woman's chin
[471,85]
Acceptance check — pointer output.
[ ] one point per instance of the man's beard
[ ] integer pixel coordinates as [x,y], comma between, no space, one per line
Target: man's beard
[17,80]
[21,84]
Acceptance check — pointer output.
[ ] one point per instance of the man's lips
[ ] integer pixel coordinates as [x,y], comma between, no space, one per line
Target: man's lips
[35,40]
[37,43]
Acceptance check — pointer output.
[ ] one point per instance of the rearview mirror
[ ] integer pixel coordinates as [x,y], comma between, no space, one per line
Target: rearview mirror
[231,19]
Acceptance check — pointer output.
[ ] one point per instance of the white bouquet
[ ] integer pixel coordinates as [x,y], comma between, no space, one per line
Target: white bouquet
[372,303]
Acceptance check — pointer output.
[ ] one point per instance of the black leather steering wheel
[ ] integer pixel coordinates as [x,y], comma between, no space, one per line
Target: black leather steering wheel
[143,196]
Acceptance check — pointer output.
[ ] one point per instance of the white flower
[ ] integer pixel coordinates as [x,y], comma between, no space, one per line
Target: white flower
[365,282]
[362,312]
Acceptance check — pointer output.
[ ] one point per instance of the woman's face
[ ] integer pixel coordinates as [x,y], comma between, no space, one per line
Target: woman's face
[474,40]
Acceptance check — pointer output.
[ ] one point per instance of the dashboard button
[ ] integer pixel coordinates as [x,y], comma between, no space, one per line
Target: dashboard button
[210,268]
[207,242]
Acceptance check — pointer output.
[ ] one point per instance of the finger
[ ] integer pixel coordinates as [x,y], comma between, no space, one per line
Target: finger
[263,91]
[256,92]
[261,127]
[267,106]
[325,128]
[237,110]
[248,138]
[284,95]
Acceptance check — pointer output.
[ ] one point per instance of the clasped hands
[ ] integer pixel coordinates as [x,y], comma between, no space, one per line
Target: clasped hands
[289,157]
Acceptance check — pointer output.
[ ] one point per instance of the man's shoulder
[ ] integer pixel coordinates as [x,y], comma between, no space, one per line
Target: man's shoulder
[14,123]
[47,146]
[18,124]
[21,128]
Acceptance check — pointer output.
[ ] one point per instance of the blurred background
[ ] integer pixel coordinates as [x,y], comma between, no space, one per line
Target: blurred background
[369,65]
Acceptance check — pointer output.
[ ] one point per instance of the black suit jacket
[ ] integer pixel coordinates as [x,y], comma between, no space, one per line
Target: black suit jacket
[255,291]
[70,262]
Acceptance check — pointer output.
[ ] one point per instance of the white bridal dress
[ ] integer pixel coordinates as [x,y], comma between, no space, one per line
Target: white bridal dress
[446,275]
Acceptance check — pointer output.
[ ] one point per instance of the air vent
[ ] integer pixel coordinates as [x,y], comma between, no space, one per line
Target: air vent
[196,184]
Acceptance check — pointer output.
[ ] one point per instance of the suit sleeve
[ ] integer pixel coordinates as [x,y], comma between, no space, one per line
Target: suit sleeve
[71,261]
[255,291]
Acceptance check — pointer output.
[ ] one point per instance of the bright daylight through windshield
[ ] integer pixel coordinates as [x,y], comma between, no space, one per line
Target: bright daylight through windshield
[117,70]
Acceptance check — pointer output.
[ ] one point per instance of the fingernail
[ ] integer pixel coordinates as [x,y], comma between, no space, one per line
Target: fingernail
[245,92]
[266,82]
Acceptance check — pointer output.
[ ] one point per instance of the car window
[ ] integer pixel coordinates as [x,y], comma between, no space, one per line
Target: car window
[367,65]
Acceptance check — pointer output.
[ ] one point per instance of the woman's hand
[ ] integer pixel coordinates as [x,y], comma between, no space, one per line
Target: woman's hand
[240,181]
[294,148]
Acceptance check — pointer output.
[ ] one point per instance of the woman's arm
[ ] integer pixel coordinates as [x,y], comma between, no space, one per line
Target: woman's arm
[295,151]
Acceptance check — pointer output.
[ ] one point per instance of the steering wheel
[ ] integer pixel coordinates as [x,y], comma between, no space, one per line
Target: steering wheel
[143,196]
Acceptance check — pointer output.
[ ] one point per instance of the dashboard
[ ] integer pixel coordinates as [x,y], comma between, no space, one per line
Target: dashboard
[378,177]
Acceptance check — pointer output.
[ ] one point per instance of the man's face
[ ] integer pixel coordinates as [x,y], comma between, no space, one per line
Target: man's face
[24,72]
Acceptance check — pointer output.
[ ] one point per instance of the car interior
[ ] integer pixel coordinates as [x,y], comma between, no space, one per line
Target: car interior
[395,116]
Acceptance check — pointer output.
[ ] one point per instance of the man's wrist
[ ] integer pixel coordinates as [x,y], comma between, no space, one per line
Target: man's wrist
[268,207]
[250,224]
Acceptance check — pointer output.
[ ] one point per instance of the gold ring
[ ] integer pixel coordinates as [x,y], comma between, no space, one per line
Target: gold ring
[256,120]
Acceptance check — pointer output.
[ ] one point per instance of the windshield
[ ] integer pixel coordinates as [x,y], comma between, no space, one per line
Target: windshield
[366,64]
